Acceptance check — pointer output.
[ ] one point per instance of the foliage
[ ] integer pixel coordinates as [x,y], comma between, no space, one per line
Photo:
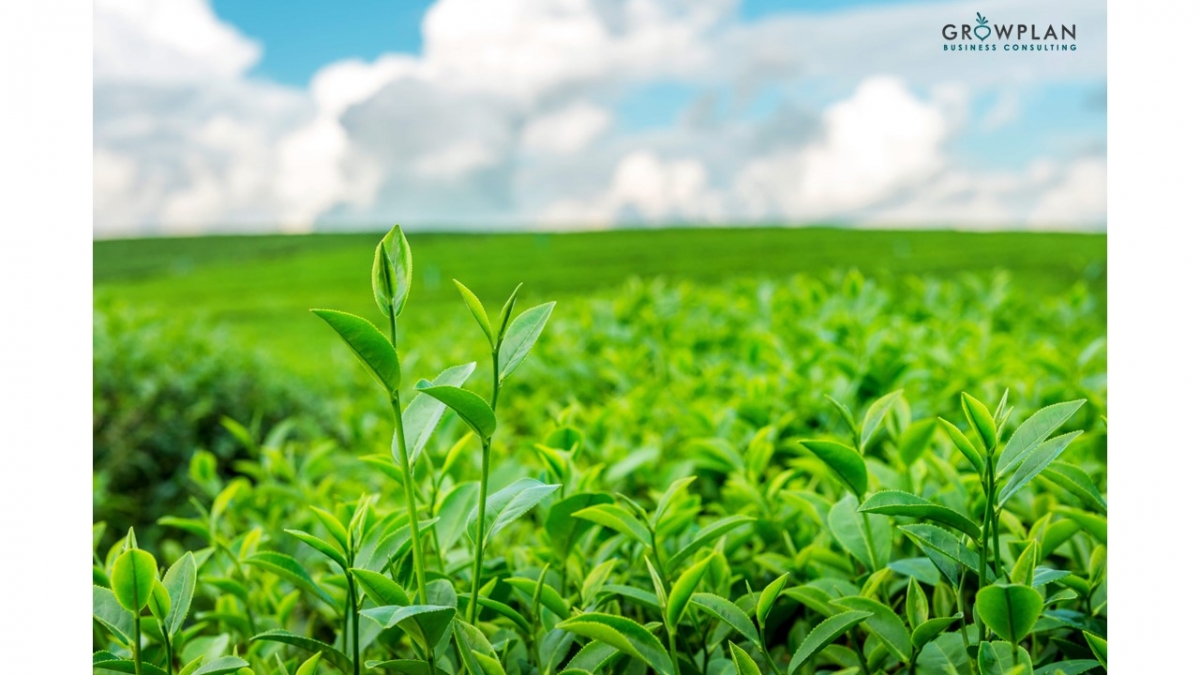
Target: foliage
[750,478]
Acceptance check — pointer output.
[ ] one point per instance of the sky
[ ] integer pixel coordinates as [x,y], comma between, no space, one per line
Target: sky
[234,116]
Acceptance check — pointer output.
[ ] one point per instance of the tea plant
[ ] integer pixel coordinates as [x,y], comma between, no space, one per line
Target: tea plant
[757,479]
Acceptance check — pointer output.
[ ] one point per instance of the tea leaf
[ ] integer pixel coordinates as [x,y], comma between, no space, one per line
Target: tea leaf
[1036,461]
[521,336]
[930,629]
[617,518]
[421,416]
[883,623]
[133,578]
[980,419]
[127,666]
[510,503]
[742,663]
[963,445]
[180,581]
[224,664]
[549,597]
[425,624]
[1033,432]
[726,611]
[477,311]
[706,535]
[1077,482]
[944,549]
[681,592]
[916,605]
[623,634]
[996,658]
[562,529]
[849,527]
[875,416]
[1095,525]
[823,635]
[285,566]
[766,599]
[594,656]
[915,440]
[324,547]
[369,346]
[110,614]
[1099,647]
[472,409]
[847,465]
[1009,609]
[898,503]
[335,656]
[391,272]
[381,589]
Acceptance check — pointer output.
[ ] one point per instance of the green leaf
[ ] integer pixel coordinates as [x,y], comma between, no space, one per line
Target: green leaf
[899,503]
[823,635]
[849,527]
[1036,461]
[963,444]
[562,529]
[406,666]
[549,596]
[1033,432]
[742,663]
[1023,569]
[617,518]
[996,658]
[1071,667]
[506,311]
[335,527]
[1095,525]
[845,414]
[944,549]
[678,487]
[381,589]
[505,611]
[133,578]
[425,624]
[309,667]
[472,409]
[1099,647]
[127,666]
[724,610]
[507,505]
[333,654]
[224,664]
[930,629]
[180,581]
[876,414]
[521,335]
[391,272]
[980,419]
[945,656]
[110,614]
[369,346]
[593,657]
[423,413]
[477,311]
[705,536]
[847,465]
[916,605]
[160,601]
[766,599]
[286,567]
[915,439]
[1077,482]
[681,592]
[884,623]
[1009,609]
[324,547]
[626,635]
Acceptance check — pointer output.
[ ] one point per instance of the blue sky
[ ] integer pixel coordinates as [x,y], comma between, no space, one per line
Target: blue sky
[258,116]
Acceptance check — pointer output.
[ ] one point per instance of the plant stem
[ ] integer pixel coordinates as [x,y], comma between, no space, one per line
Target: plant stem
[477,571]
[170,655]
[674,651]
[409,496]
[352,598]
[137,643]
[962,607]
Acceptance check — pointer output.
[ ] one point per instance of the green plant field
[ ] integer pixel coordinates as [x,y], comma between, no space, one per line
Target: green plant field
[261,286]
[717,452]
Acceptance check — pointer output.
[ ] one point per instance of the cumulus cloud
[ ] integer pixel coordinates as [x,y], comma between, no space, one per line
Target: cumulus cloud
[511,116]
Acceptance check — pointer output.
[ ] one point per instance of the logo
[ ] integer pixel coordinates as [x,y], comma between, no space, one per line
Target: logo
[1009,37]
[982,27]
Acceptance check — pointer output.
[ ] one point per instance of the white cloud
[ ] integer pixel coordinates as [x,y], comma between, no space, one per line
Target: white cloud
[566,130]
[510,114]
[873,144]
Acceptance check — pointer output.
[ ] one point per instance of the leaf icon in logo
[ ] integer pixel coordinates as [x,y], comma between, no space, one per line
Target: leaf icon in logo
[983,27]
